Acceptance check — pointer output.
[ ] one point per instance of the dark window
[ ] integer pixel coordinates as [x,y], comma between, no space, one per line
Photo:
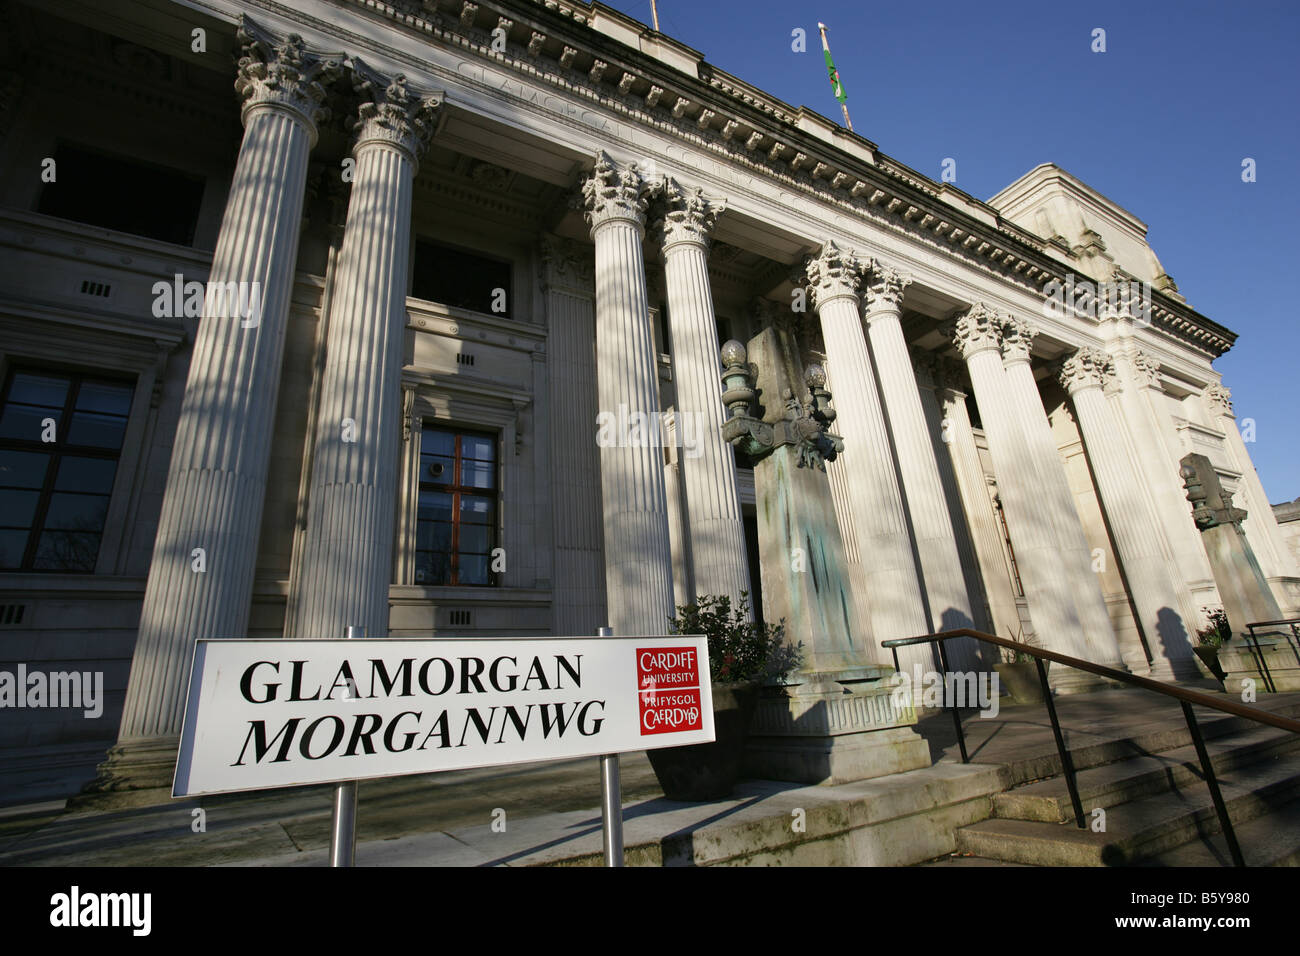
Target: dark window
[123,194]
[60,437]
[462,279]
[456,531]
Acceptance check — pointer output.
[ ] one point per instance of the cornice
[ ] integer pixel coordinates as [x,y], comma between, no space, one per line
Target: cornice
[741,126]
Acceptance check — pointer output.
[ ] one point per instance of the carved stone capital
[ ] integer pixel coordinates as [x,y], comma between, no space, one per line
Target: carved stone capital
[885,290]
[614,191]
[566,263]
[1146,370]
[1086,368]
[1017,338]
[393,113]
[832,273]
[689,216]
[281,73]
[976,330]
[1218,399]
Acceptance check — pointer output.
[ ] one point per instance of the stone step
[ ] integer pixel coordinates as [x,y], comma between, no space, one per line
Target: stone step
[1112,784]
[1140,828]
[1214,725]
[1270,840]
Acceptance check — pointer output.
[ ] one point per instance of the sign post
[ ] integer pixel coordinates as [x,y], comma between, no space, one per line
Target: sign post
[611,799]
[343,826]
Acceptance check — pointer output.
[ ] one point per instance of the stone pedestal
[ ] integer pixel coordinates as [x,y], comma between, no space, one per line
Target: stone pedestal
[1243,589]
[837,720]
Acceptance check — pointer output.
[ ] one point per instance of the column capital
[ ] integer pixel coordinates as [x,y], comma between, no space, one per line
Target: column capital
[1218,399]
[1087,368]
[978,329]
[1017,337]
[885,290]
[1146,369]
[392,113]
[615,191]
[282,73]
[688,217]
[833,273]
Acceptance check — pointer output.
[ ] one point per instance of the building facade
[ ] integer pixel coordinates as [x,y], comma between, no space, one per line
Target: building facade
[407,315]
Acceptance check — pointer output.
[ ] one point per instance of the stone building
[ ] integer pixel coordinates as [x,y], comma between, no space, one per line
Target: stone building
[345,315]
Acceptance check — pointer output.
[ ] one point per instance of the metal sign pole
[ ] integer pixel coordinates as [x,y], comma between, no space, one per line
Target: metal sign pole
[343,827]
[611,799]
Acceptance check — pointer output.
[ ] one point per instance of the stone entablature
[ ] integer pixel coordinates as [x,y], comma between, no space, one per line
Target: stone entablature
[809,154]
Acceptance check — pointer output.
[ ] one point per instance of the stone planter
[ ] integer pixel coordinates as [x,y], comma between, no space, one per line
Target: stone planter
[1209,655]
[710,771]
[1021,681]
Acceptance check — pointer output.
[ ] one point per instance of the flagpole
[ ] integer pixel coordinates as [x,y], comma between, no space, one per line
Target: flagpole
[835,84]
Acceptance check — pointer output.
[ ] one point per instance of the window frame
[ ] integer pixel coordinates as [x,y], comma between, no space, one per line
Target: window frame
[60,448]
[456,488]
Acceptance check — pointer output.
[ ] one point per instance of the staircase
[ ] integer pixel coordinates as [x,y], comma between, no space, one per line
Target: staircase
[1151,807]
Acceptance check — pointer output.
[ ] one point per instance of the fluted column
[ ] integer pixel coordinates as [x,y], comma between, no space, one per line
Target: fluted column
[1132,527]
[1140,400]
[889,572]
[972,487]
[201,576]
[716,530]
[347,556]
[936,542]
[638,556]
[1259,526]
[1027,407]
[1043,570]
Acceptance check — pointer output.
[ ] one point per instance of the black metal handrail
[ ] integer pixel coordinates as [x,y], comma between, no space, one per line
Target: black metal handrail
[1186,697]
[1257,652]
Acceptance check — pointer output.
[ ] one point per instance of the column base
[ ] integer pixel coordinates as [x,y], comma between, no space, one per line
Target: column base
[1281,656]
[834,728]
[135,773]
[1181,669]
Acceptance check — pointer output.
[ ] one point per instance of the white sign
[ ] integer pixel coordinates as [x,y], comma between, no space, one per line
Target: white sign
[281,713]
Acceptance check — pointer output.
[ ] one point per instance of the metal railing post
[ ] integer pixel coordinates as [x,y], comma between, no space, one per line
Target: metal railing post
[1212,782]
[611,799]
[343,825]
[1067,764]
[956,714]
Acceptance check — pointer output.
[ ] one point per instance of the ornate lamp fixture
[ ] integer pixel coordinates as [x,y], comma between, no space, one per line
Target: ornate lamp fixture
[805,424]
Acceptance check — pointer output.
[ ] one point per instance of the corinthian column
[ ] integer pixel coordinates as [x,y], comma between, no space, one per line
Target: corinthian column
[1043,571]
[894,597]
[201,576]
[347,557]
[638,556]
[1027,407]
[717,533]
[1132,527]
[936,542]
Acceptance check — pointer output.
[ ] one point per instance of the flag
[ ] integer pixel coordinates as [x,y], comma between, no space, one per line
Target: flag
[836,85]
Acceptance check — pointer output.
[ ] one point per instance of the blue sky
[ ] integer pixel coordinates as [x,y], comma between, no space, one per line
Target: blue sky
[1160,123]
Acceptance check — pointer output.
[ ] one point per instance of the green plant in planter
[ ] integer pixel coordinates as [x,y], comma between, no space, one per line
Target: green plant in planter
[739,649]
[743,656]
[1010,656]
[1217,631]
